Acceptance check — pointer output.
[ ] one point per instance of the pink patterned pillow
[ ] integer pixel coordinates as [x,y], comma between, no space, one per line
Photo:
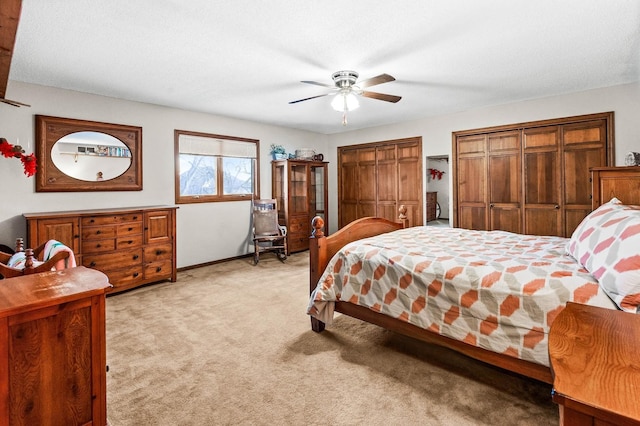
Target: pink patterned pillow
[607,244]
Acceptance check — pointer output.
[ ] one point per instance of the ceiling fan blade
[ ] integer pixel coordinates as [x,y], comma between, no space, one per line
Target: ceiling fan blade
[382,78]
[381,96]
[13,103]
[319,84]
[306,99]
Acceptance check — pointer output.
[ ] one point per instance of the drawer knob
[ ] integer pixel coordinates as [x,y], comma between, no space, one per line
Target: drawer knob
[135,218]
[159,252]
[98,232]
[98,245]
[92,264]
[130,229]
[158,269]
[135,275]
[135,257]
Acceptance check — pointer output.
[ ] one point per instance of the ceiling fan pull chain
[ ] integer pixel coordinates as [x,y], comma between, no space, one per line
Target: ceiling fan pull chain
[344,117]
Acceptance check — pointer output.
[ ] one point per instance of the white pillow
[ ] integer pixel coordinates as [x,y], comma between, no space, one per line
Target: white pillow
[607,244]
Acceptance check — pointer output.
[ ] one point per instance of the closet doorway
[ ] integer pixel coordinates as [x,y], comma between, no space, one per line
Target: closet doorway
[437,190]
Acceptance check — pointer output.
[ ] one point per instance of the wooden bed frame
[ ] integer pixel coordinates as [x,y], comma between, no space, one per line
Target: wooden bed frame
[621,182]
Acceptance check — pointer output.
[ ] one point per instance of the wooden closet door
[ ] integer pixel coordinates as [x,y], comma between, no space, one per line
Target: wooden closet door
[409,182]
[386,182]
[542,174]
[349,182]
[505,181]
[471,182]
[584,147]
[375,179]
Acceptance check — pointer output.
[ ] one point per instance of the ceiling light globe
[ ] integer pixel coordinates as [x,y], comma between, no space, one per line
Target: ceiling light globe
[345,102]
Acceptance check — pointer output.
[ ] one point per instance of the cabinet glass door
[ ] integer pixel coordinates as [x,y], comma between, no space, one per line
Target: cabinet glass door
[298,188]
[317,191]
[278,191]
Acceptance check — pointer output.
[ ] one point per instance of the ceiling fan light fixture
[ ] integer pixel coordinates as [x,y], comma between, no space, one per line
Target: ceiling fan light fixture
[345,101]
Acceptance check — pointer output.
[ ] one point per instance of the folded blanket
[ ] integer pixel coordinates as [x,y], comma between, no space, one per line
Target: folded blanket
[19,259]
[53,247]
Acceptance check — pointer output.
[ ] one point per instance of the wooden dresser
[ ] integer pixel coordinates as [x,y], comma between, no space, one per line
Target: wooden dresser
[53,349]
[133,246]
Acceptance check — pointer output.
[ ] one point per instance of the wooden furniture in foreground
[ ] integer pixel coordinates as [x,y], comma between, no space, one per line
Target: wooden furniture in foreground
[322,249]
[595,366]
[30,265]
[53,349]
[300,190]
[529,178]
[133,246]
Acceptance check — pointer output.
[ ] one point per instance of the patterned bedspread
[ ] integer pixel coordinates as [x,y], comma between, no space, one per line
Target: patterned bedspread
[496,290]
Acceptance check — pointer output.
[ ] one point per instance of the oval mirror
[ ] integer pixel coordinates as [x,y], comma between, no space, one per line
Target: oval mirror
[91,156]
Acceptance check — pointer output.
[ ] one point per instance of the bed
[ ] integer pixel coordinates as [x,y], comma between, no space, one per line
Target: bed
[489,295]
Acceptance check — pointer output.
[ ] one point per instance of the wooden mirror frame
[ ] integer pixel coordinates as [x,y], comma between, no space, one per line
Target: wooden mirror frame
[51,179]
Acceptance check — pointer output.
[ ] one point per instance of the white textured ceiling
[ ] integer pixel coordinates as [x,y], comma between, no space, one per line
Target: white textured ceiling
[246,58]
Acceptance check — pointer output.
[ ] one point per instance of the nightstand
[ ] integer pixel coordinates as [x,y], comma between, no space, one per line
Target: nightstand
[595,363]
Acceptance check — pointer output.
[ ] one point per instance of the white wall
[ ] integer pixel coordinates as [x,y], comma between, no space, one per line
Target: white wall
[436,132]
[206,231]
[213,231]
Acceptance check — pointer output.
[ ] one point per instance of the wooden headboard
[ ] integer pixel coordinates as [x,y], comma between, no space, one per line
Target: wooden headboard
[620,182]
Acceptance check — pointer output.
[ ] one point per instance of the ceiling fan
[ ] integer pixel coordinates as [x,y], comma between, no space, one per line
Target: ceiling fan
[346,87]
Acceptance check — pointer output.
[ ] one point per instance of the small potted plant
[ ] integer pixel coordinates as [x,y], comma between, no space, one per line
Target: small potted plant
[278,152]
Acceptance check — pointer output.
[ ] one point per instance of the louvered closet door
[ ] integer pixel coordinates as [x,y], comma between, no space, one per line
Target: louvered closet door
[542,173]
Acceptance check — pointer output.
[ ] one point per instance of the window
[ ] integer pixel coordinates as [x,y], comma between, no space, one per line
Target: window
[215,168]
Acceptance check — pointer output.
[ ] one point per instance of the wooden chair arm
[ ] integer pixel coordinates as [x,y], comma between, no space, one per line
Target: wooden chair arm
[4,257]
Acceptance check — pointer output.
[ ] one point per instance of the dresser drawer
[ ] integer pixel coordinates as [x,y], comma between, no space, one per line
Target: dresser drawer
[111,220]
[129,228]
[158,252]
[128,241]
[114,260]
[98,232]
[98,246]
[158,270]
[126,276]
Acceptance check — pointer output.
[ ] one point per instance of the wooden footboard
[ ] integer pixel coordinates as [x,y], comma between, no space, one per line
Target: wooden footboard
[322,249]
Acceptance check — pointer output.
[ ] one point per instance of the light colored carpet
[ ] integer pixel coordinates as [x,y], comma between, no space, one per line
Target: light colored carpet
[231,344]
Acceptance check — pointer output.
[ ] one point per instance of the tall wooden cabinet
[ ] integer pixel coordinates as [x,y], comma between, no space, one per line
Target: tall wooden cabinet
[375,179]
[300,190]
[530,178]
[132,246]
[53,349]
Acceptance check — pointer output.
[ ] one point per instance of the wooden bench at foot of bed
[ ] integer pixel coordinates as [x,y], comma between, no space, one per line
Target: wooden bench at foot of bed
[322,249]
